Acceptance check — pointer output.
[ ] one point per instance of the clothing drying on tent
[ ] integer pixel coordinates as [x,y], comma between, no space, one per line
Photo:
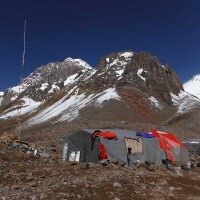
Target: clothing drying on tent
[102,152]
[107,135]
[124,145]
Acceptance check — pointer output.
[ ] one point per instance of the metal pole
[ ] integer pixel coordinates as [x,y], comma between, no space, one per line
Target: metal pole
[20,84]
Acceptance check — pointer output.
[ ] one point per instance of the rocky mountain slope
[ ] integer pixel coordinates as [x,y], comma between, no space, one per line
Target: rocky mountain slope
[125,86]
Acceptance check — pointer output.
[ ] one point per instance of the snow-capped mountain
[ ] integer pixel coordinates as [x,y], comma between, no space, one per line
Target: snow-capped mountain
[124,86]
[185,102]
[193,86]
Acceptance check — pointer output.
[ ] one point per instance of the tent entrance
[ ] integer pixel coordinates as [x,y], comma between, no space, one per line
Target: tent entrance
[133,145]
[134,149]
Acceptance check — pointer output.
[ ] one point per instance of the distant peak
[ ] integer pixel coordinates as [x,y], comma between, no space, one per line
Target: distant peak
[193,85]
[196,77]
[78,61]
[126,54]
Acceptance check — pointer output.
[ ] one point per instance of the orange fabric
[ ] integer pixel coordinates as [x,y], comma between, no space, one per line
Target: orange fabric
[107,135]
[168,141]
[103,152]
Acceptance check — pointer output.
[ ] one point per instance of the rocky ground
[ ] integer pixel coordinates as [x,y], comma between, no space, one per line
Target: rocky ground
[45,176]
[24,176]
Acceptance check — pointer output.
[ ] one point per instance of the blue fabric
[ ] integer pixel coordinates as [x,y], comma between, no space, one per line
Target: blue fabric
[145,135]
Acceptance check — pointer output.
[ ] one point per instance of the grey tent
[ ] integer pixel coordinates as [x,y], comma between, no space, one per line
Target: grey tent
[193,146]
[80,147]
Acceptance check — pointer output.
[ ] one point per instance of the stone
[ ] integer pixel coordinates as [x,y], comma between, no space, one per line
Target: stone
[114,161]
[178,172]
[150,168]
[44,155]
[27,152]
[16,187]
[43,196]
[170,167]
[148,163]
[143,186]
[116,184]
[32,184]
[171,188]
[104,162]
[74,163]
[185,168]
[29,176]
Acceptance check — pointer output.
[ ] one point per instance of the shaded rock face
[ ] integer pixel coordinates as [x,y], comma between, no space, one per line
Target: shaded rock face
[140,70]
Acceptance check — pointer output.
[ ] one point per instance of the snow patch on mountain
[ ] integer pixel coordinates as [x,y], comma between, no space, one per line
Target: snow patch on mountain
[71,79]
[106,95]
[126,55]
[54,88]
[67,108]
[73,105]
[119,73]
[119,62]
[44,86]
[115,62]
[28,106]
[155,103]
[162,66]
[193,86]
[185,102]
[78,62]
[14,91]
[140,72]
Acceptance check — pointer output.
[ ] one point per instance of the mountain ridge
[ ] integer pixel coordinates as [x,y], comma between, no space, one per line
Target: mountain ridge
[124,86]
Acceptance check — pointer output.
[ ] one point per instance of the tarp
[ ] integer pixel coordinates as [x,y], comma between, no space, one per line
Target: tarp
[174,148]
[145,135]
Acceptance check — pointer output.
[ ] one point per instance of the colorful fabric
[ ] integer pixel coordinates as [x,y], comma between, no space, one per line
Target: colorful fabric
[103,152]
[145,135]
[168,141]
[107,135]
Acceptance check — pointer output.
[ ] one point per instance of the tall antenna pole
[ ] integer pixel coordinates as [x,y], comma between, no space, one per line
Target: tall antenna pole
[21,77]
[24,51]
